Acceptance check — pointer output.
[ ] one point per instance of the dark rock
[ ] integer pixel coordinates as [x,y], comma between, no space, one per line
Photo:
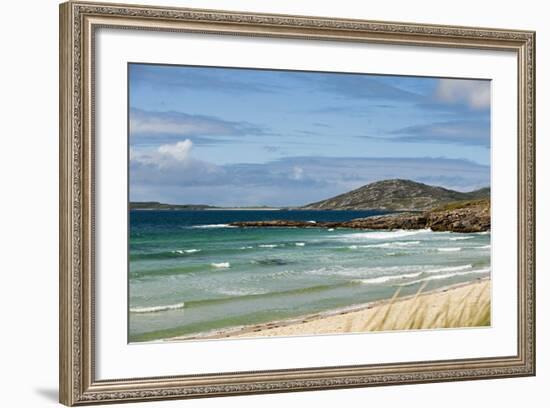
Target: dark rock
[392,221]
[469,219]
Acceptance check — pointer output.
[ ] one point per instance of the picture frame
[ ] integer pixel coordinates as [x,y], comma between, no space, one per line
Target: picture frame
[79,25]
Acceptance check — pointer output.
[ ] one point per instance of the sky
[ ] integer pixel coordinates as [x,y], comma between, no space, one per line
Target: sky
[248,137]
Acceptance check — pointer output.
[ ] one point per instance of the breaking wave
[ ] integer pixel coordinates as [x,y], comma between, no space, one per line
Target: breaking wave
[220,264]
[446,276]
[154,309]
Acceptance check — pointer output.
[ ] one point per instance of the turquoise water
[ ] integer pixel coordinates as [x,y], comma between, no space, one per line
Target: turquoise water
[189,272]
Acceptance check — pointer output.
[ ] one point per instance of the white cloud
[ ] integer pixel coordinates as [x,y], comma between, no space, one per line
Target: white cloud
[174,123]
[474,93]
[165,155]
[178,151]
[152,127]
[472,133]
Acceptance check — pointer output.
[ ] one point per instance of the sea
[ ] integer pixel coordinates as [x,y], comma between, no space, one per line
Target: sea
[190,272]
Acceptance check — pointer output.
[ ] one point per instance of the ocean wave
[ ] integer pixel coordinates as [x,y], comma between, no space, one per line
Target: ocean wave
[397,270]
[186,251]
[268,246]
[238,295]
[300,244]
[366,272]
[449,249]
[483,247]
[246,247]
[446,276]
[391,244]
[240,292]
[214,226]
[156,273]
[154,309]
[460,238]
[330,229]
[163,254]
[384,234]
[386,245]
[387,278]
[220,264]
[450,269]
[405,243]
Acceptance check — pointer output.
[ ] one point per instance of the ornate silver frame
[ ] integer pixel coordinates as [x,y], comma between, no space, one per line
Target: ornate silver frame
[78,22]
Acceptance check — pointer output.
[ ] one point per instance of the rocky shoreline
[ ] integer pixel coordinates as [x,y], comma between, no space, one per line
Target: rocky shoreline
[470,216]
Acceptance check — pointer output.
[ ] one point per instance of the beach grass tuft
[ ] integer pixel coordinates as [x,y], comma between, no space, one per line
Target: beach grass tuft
[471,310]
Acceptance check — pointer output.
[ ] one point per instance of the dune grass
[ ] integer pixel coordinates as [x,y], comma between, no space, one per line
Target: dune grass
[473,309]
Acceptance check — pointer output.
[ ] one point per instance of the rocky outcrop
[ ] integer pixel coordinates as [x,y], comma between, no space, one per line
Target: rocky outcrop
[473,218]
[391,221]
[470,216]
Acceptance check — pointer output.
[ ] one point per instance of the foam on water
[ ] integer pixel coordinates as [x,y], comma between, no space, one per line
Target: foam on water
[153,309]
[186,251]
[450,269]
[220,264]
[384,234]
[359,271]
[391,244]
[450,249]
[384,279]
[446,276]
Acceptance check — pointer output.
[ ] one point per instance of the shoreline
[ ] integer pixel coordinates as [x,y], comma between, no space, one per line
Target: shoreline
[361,317]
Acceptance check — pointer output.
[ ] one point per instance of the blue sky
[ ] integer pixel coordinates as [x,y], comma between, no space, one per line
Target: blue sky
[237,137]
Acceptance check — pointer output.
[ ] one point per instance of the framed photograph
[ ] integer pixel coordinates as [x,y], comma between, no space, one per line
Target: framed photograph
[256,203]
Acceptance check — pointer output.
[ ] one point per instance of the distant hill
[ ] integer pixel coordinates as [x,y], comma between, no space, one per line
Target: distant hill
[155,205]
[397,194]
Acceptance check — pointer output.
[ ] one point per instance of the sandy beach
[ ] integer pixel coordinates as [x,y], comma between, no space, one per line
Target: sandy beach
[461,305]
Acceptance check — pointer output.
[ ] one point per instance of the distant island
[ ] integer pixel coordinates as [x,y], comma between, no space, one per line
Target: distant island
[155,205]
[397,195]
